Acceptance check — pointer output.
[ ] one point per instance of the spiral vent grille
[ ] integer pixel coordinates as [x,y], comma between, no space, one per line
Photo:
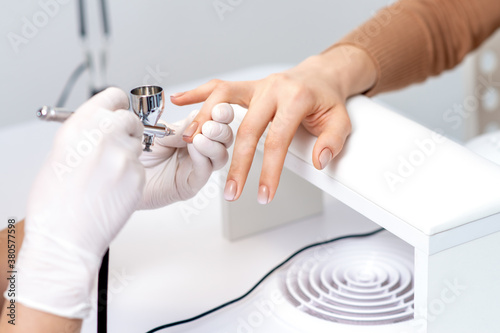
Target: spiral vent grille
[368,282]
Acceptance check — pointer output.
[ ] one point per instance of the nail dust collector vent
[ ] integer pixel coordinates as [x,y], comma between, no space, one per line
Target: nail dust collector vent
[354,282]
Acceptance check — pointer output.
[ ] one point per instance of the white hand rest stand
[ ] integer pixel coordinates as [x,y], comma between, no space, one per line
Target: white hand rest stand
[407,178]
[432,193]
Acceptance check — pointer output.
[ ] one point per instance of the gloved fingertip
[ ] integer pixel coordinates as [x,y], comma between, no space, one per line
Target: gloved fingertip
[223,112]
[111,98]
[116,92]
[130,122]
[208,129]
[198,139]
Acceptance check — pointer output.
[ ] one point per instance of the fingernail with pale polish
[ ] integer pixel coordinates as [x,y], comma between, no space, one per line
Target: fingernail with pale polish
[190,130]
[179,94]
[325,157]
[230,190]
[263,195]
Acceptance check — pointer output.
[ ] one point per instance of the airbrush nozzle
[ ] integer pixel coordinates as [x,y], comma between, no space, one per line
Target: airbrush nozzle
[50,113]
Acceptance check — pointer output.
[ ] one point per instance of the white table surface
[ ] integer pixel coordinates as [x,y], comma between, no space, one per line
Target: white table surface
[177,268]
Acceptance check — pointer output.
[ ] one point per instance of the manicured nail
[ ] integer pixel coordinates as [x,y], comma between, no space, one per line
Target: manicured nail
[230,190]
[190,130]
[178,94]
[263,195]
[325,157]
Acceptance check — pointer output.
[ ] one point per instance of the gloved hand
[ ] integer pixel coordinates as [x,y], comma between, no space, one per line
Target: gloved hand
[86,190]
[176,170]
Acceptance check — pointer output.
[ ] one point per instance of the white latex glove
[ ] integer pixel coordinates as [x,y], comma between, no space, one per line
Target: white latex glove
[86,190]
[176,170]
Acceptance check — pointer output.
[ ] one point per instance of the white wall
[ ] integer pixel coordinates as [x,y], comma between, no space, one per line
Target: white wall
[189,40]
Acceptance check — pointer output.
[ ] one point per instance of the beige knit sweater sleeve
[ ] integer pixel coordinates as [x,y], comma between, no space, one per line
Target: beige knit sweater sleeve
[414,39]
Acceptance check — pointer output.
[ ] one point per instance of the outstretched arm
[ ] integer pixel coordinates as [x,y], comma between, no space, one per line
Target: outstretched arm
[403,44]
[412,40]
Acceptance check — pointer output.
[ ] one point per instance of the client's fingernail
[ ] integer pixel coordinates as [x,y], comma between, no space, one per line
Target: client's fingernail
[263,195]
[178,94]
[325,157]
[230,190]
[190,130]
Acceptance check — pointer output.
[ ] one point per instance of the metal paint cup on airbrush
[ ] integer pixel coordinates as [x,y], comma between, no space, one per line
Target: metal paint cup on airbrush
[147,102]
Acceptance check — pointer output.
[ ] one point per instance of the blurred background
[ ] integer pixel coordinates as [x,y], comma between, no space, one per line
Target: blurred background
[171,43]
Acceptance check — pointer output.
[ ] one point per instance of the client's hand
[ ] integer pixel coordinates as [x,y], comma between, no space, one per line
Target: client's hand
[313,94]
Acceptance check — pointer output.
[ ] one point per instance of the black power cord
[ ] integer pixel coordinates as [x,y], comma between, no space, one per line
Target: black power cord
[102,283]
[206,313]
[102,294]
[102,288]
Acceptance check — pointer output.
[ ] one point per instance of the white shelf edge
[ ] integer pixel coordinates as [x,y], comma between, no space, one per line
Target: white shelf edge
[375,213]
[430,244]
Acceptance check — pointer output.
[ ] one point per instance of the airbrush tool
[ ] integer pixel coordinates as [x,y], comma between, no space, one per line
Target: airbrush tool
[147,102]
